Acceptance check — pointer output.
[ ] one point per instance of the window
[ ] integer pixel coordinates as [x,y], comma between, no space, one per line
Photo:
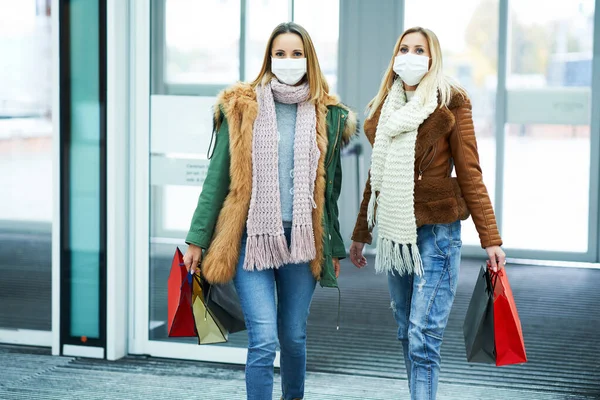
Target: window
[26,136]
[547,163]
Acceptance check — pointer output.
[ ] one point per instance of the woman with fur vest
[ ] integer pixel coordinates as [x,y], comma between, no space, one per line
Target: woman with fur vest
[421,129]
[267,217]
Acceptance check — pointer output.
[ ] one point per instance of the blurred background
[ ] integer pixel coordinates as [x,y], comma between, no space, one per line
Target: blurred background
[531,68]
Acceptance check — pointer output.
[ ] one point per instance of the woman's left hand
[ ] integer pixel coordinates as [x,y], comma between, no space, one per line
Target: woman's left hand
[497,257]
[336,267]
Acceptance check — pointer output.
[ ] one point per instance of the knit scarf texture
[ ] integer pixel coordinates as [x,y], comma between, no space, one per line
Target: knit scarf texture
[267,246]
[392,180]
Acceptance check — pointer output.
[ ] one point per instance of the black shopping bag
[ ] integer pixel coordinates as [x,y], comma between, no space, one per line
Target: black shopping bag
[224,304]
[479,323]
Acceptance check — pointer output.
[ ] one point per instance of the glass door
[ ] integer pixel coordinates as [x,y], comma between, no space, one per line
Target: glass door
[185,53]
[26,162]
[189,66]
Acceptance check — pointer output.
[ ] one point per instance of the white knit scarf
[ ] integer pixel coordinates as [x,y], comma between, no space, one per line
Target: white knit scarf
[266,246]
[392,178]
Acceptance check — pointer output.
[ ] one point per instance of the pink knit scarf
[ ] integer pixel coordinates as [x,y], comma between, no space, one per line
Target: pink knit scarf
[267,246]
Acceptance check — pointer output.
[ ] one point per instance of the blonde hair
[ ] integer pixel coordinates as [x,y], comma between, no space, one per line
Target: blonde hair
[432,81]
[317,83]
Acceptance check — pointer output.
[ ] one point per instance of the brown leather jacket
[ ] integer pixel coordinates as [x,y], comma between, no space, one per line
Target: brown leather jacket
[445,141]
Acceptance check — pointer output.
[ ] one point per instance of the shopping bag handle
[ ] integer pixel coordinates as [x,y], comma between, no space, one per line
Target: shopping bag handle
[198,278]
[493,275]
[491,278]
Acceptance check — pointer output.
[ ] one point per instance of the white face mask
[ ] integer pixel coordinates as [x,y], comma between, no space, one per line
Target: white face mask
[288,70]
[411,68]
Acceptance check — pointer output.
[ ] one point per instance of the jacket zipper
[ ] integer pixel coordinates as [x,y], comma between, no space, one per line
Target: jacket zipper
[337,136]
[421,169]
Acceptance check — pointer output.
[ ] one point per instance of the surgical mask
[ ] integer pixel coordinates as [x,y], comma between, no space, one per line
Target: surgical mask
[411,68]
[288,70]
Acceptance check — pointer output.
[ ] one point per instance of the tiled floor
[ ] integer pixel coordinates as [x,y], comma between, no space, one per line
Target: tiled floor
[32,374]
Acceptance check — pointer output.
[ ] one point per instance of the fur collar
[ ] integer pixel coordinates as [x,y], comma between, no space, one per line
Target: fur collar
[439,123]
[241,95]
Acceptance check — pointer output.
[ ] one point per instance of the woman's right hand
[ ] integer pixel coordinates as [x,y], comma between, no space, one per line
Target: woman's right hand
[356,254]
[192,258]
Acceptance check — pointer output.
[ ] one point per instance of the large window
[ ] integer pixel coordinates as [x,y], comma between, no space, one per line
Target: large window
[25,164]
[547,162]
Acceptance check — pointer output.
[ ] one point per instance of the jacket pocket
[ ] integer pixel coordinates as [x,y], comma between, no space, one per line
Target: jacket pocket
[439,201]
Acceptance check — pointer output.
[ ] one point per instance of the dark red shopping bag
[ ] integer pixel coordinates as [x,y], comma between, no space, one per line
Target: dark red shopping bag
[508,335]
[180,315]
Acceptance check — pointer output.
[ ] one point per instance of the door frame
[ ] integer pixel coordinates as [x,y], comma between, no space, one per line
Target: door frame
[139,341]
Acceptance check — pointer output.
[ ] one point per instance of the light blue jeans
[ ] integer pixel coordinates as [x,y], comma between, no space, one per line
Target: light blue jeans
[421,305]
[270,320]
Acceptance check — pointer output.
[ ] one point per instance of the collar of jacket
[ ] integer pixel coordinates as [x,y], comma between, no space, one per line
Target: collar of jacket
[439,123]
[241,99]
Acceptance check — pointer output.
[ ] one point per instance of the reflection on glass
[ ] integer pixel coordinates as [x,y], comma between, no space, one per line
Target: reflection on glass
[470,49]
[202,41]
[25,164]
[549,165]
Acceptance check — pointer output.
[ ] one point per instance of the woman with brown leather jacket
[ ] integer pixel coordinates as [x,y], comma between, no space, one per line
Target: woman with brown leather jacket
[421,129]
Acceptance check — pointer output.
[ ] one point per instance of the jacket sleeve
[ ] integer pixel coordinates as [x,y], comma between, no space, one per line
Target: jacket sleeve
[470,179]
[338,249]
[362,233]
[214,191]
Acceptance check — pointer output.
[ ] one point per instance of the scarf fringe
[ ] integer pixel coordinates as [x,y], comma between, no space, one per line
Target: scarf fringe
[303,244]
[266,252]
[401,258]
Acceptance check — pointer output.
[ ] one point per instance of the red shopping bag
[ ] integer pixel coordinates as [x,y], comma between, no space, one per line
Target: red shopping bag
[508,335]
[180,315]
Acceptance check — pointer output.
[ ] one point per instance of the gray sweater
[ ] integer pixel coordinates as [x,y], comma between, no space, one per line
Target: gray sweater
[286,128]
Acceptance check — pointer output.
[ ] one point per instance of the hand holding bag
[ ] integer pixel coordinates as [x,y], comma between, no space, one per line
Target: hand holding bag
[492,327]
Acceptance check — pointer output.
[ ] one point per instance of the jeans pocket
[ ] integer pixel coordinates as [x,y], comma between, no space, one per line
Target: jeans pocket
[441,238]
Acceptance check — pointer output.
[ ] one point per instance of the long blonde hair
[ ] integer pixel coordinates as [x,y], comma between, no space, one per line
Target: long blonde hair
[432,81]
[317,83]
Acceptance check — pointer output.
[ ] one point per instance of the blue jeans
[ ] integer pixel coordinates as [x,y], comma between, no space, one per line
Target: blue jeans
[268,320]
[421,305]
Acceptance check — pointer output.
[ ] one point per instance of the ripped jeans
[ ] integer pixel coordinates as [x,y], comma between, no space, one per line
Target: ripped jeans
[422,305]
